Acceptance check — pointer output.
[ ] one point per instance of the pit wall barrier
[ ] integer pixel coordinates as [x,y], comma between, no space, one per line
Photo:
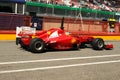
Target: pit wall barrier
[8,23]
[88,27]
[7,35]
[11,36]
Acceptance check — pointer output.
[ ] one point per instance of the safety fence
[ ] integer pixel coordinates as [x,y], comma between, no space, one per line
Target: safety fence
[86,26]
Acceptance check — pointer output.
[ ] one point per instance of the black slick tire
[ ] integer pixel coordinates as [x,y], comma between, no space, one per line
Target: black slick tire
[98,44]
[37,45]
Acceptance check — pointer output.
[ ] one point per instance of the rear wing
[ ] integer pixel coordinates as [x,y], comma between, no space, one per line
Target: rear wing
[24,30]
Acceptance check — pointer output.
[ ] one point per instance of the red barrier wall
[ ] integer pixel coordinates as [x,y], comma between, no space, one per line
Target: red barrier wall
[77,26]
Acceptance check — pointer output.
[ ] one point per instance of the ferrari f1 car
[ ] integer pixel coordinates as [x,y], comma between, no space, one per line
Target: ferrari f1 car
[55,39]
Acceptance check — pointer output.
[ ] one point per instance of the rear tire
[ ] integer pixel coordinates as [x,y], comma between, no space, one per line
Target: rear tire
[98,44]
[37,45]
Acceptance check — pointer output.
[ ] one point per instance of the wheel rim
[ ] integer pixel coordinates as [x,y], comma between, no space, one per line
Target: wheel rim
[100,44]
[38,45]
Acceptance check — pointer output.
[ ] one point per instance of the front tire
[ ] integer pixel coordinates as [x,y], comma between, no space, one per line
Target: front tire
[98,44]
[37,45]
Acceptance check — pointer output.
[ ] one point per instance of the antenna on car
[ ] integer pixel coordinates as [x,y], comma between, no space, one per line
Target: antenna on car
[62,24]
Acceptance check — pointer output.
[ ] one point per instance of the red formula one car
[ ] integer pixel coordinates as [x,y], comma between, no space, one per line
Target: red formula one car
[55,39]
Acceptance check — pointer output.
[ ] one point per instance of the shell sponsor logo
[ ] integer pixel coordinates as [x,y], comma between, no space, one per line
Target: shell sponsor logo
[48,32]
[33,36]
[73,40]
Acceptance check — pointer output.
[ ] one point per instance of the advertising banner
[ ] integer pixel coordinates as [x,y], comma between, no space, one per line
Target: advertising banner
[15,1]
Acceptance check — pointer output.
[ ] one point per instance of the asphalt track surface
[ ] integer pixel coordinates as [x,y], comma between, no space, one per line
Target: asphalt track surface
[83,64]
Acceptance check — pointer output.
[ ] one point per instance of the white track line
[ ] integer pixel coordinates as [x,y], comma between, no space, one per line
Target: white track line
[59,59]
[58,67]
